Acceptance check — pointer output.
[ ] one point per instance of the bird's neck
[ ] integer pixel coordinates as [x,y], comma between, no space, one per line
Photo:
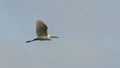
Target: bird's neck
[49,37]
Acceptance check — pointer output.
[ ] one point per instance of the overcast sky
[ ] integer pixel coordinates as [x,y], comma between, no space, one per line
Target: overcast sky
[89,32]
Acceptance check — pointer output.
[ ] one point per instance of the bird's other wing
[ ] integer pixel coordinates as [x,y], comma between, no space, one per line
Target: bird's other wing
[41,28]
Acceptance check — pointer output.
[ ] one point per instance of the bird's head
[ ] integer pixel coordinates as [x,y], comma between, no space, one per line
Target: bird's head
[50,37]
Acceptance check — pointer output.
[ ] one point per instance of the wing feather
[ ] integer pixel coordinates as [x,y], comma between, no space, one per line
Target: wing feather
[41,28]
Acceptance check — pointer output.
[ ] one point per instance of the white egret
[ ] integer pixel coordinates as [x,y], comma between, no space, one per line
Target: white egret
[41,31]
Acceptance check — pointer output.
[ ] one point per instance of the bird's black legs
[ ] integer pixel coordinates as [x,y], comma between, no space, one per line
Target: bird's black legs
[28,41]
[32,40]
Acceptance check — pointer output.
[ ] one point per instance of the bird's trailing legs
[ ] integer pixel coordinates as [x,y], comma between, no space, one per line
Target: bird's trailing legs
[42,39]
[32,40]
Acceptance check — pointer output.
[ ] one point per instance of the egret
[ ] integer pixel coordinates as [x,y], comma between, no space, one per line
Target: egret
[41,31]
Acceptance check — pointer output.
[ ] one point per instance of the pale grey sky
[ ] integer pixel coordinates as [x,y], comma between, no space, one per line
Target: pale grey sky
[88,30]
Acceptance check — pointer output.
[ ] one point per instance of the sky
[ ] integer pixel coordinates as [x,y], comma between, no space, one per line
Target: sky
[88,30]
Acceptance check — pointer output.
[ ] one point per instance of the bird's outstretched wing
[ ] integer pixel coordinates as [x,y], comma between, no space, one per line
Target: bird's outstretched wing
[41,28]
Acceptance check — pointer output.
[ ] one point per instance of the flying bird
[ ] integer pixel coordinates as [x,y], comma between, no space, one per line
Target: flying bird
[41,31]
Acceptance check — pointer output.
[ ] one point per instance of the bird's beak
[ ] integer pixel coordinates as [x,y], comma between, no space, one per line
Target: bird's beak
[54,37]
